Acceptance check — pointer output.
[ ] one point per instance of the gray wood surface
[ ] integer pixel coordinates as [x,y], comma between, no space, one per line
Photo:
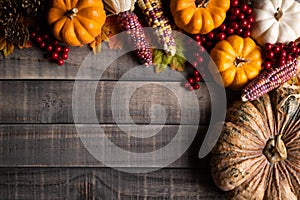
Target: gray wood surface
[42,156]
[106,183]
[51,101]
[61,146]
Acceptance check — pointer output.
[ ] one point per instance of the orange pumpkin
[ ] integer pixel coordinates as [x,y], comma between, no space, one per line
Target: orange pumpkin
[237,59]
[199,17]
[76,22]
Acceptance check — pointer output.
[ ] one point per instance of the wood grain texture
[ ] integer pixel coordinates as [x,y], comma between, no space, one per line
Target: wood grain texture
[104,183]
[51,102]
[31,64]
[61,146]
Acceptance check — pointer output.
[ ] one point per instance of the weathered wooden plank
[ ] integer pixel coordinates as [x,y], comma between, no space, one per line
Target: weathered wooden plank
[61,146]
[31,64]
[51,102]
[106,183]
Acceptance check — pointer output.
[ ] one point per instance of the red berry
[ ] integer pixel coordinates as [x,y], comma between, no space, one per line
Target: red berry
[43,45]
[282,62]
[38,39]
[203,39]
[276,48]
[65,56]
[54,55]
[190,80]
[58,48]
[241,16]
[196,72]
[66,49]
[199,43]
[186,85]
[268,46]
[250,19]
[292,44]
[246,33]
[191,88]
[243,23]
[194,64]
[197,79]
[269,54]
[222,27]
[33,35]
[201,49]
[283,54]
[196,86]
[229,31]
[200,59]
[281,45]
[211,35]
[239,31]
[55,42]
[244,7]
[234,3]
[267,65]
[293,49]
[248,26]
[197,37]
[249,11]
[298,50]
[221,36]
[60,62]
[235,11]
[49,47]
[289,58]
[234,25]
[46,37]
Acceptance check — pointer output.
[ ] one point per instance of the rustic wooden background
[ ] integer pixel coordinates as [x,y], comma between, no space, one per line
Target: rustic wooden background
[41,154]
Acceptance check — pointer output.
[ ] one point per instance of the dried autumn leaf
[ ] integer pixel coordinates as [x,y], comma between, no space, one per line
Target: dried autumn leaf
[110,28]
[6,47]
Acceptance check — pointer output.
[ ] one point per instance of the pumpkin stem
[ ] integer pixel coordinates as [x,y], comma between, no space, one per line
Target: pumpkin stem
[278,14]
[275,150]
[72,13]
[239,61]
[201,3]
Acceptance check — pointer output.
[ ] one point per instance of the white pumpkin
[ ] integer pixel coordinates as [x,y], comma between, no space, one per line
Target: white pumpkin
[276,21]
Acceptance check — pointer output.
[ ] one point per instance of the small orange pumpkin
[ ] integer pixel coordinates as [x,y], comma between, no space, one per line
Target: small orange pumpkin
[76,22]
[238,60]
[199,17]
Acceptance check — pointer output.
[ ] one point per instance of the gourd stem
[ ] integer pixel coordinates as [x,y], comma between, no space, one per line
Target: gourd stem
[275,149]
[201,3]
[278,14]
[72,13]
[239,61]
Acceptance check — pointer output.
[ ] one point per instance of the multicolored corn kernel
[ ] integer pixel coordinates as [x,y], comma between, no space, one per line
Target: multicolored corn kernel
[155,17]
[137,37]
[269,80]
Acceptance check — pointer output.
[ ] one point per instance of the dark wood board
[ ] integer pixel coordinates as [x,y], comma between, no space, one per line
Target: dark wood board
[106,183]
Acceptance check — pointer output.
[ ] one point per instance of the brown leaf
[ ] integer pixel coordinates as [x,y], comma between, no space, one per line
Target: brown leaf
[110,28]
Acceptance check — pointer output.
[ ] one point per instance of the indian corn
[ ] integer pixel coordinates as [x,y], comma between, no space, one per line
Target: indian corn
[137,37]
[155,17]
[269,80]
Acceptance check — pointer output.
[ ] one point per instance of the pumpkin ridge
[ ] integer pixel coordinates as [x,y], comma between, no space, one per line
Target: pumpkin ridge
[261,142]
[258,181]
[81,33]
[293,172]
[292,138]
[282,168]
[90,25]
[294,176]
[251,119]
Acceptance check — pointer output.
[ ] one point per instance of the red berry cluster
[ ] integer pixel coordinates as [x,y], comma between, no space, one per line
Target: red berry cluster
[56,52]
[193,80]
[239,20]
[277,55]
